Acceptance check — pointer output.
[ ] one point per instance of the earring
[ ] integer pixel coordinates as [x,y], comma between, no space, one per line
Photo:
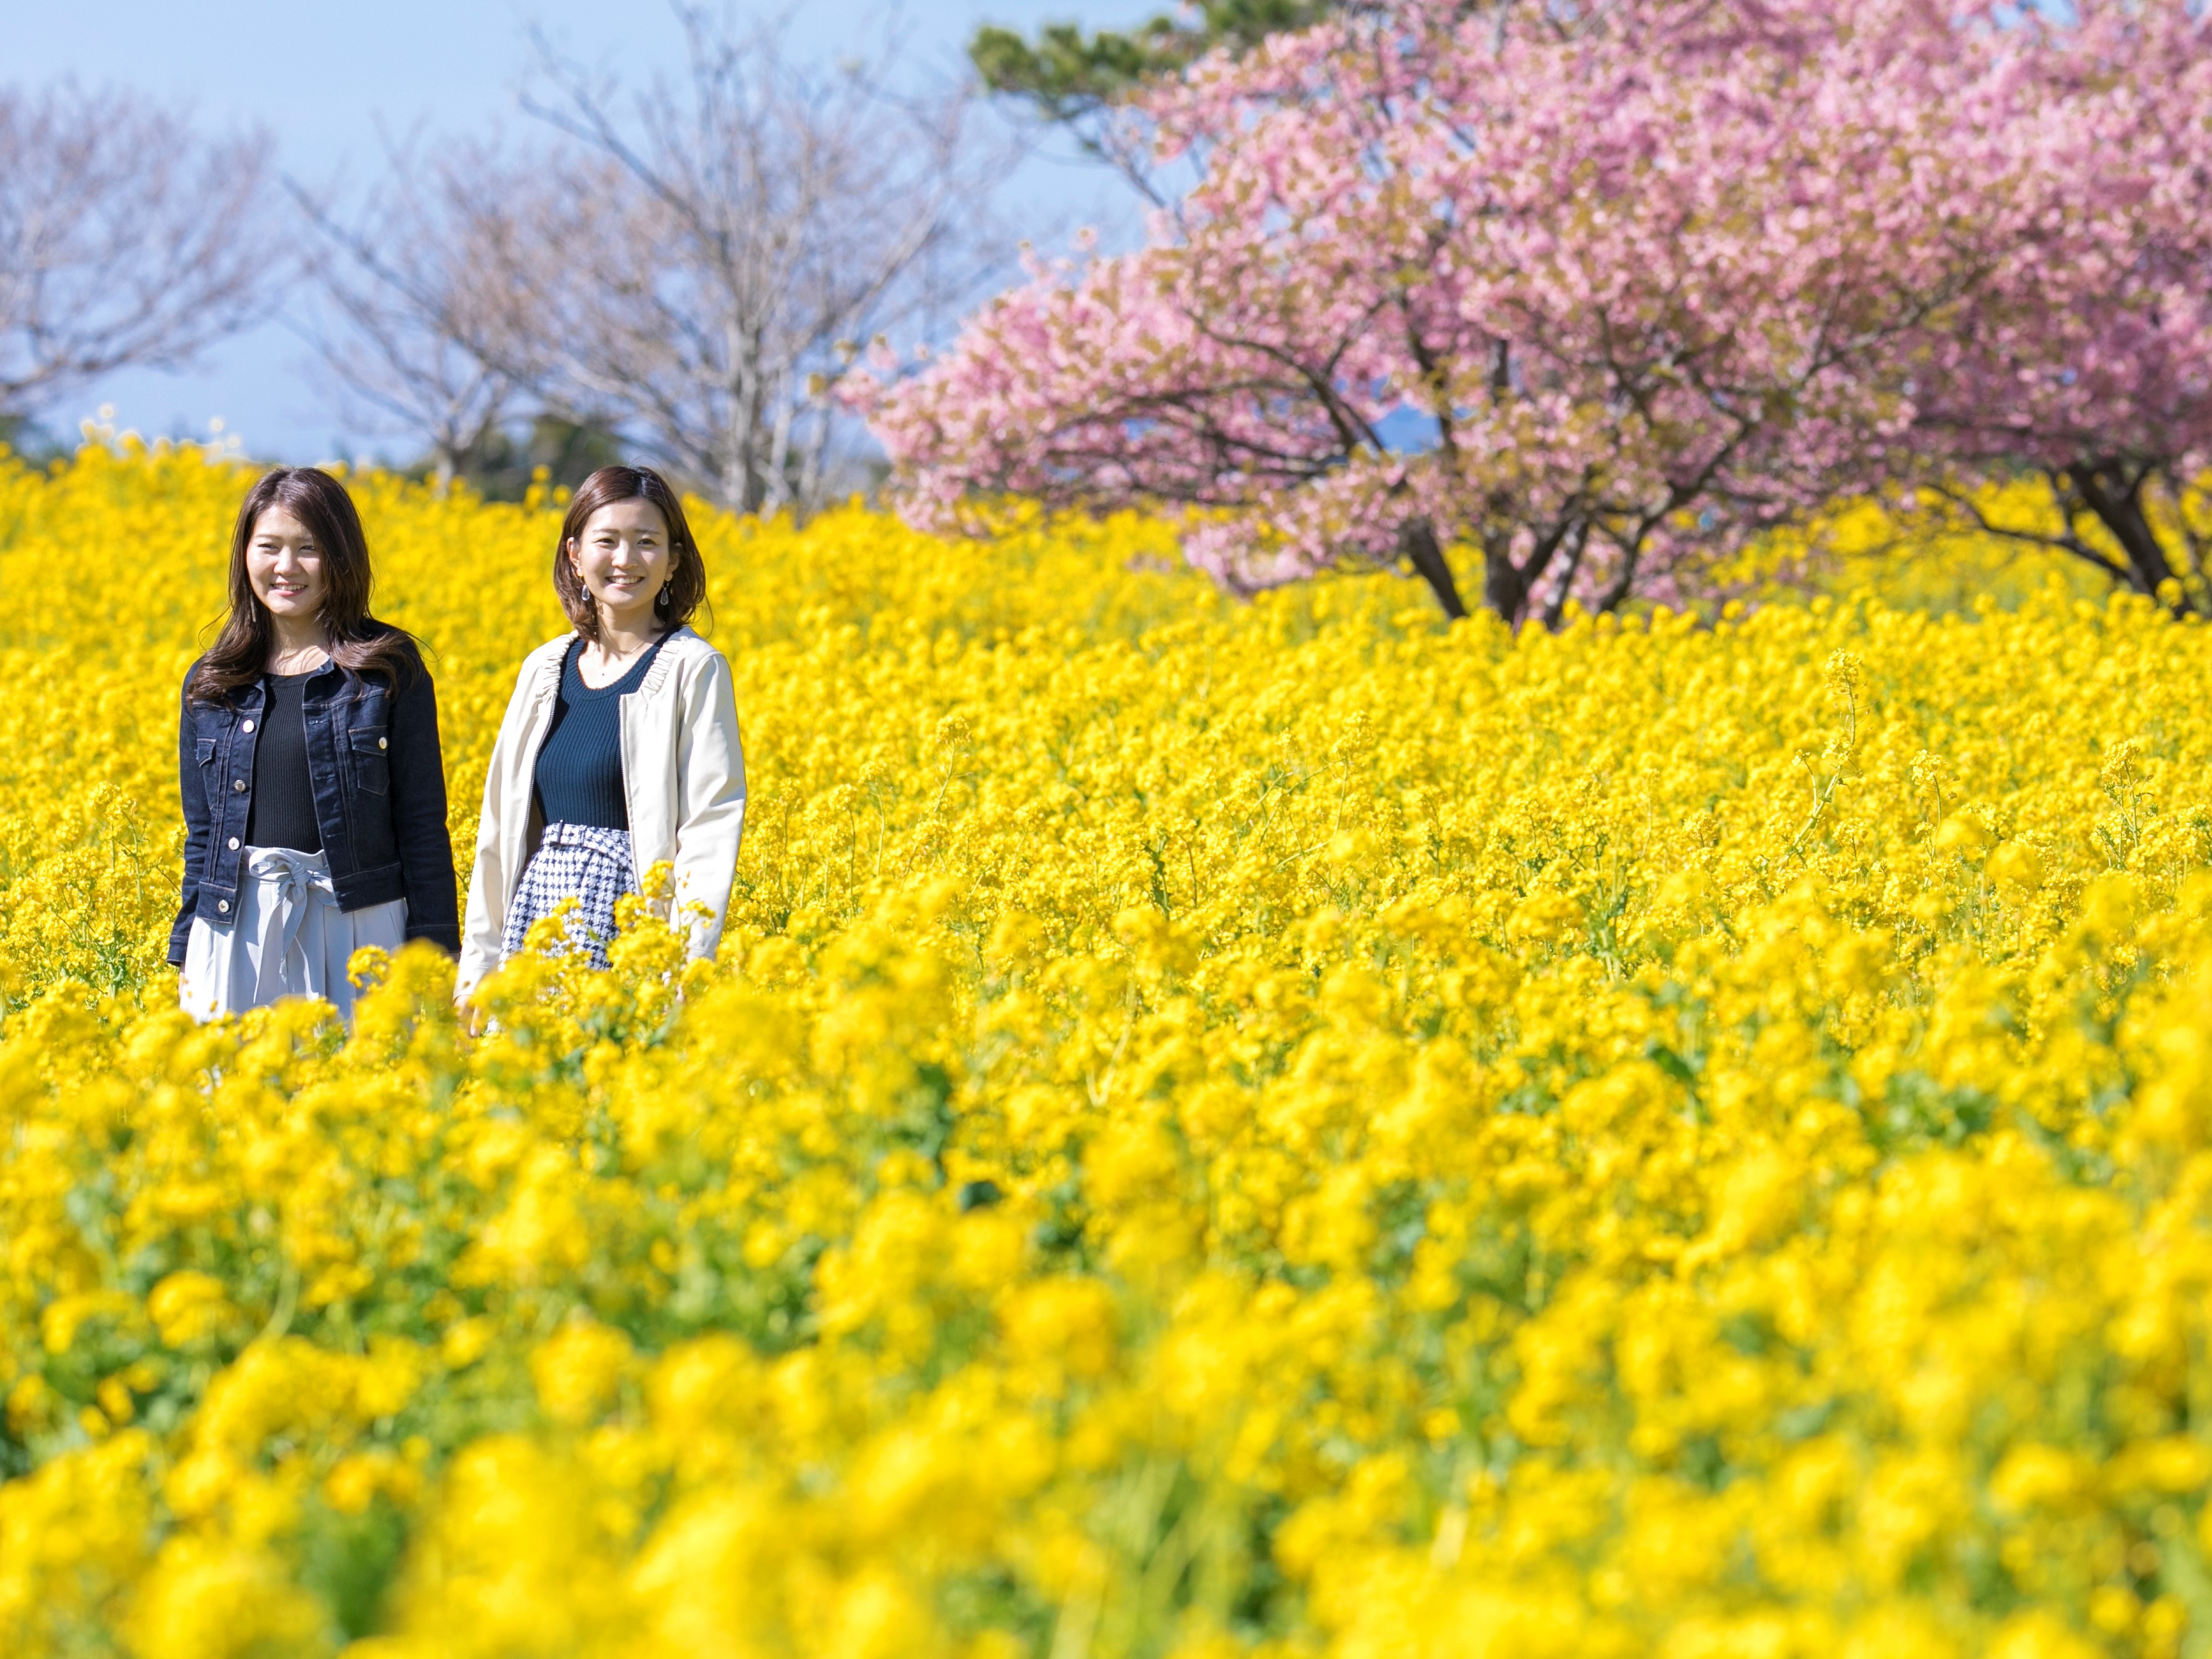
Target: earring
[661,598]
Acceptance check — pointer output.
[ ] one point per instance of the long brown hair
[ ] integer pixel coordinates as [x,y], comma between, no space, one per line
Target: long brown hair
[240,655]
[686,590]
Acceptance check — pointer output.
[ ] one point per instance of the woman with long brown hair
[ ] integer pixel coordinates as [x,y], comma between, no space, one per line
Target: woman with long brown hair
[314,792]
[620,749]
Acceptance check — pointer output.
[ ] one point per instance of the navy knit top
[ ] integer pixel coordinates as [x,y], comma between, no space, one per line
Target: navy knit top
[580,775]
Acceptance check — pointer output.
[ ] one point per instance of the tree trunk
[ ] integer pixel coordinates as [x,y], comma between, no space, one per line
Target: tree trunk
[813,449]
[1418,545]
[1577,542]
[777,490]
[2119,509]
[1505,584]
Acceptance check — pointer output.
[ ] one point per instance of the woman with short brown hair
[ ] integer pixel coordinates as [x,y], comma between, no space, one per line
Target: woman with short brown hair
[620,748]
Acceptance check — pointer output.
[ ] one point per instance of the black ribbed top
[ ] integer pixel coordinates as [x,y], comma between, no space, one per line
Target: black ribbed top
[282,812]
[579,776]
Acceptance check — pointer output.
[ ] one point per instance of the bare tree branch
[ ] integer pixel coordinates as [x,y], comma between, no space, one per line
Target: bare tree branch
[125,241]
[408,321]
[712,253]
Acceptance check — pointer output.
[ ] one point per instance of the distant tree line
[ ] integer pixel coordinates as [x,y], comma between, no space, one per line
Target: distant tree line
[683,268]
[1552,288]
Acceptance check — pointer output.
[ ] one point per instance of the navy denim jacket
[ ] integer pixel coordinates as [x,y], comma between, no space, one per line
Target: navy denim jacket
[379,788]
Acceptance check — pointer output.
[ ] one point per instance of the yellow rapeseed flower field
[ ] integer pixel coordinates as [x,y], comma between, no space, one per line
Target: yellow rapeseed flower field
[1281,1129]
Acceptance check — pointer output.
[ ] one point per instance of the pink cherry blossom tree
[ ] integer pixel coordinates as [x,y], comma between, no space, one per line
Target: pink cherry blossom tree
[2084,359]
[1595,291]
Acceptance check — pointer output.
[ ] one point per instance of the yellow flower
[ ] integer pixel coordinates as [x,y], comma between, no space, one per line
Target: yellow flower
[578,1372]
[1278,1128]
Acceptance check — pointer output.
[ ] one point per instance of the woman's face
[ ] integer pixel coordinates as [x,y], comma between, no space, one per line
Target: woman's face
[285,566]
[623,558]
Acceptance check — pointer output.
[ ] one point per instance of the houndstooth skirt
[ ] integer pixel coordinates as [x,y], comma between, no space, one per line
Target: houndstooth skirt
[574,860]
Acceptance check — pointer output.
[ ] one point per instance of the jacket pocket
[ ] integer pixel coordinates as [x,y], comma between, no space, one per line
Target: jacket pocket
[372,759]
[204,751]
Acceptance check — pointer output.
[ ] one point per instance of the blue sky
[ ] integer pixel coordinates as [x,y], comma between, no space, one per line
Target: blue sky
[321,77]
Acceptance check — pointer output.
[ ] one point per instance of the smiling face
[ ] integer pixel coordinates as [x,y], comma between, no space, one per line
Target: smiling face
[623,558]
[286,566]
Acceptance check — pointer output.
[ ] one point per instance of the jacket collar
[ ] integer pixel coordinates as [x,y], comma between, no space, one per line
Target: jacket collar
[657,676]
[556,653]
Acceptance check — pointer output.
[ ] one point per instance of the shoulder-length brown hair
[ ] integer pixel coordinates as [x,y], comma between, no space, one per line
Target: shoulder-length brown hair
[240,655]
[686,590]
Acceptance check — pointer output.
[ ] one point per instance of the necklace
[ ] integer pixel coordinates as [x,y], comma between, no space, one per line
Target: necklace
[298,660]
[609,665]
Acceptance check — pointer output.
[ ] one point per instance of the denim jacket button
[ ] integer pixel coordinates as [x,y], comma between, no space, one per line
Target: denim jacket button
[248,726]
[384,742]
[237,786]
[223,904]
[234,843]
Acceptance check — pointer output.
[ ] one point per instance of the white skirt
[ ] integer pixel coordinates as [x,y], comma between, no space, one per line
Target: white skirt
[289,939]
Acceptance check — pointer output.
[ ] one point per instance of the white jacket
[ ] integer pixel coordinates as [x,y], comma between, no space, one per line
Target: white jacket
[684,781]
